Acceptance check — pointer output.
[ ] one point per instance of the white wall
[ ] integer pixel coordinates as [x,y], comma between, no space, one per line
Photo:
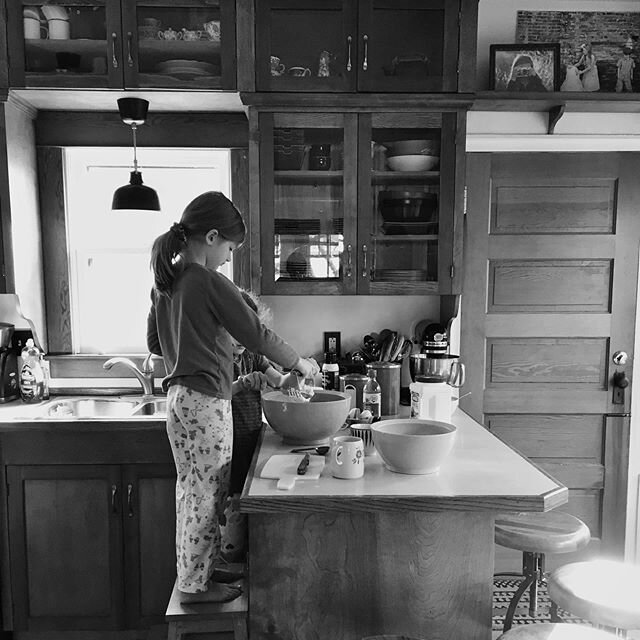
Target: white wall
[497,22]
[25,221]
[301,320]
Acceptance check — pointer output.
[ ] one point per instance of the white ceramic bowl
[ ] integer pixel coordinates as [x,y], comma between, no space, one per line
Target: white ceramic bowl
[302,422]
[413,446]
[417,162]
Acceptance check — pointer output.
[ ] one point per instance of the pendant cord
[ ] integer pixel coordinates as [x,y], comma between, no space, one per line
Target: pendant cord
[135,157]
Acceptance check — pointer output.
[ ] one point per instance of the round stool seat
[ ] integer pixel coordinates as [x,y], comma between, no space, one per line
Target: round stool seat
[550,532]
[561,631]
[604,592]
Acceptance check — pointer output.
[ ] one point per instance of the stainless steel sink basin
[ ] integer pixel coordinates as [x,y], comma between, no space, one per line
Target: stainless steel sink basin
[151,408]
[92,408]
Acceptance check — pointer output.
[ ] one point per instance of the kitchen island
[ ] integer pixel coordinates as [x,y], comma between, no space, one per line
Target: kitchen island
[387,553]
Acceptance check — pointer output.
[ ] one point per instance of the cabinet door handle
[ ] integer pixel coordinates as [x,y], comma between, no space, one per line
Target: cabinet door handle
[114,498]
[347,271]
[364,260]
[129,56]
[114,59]
[365,63]
[130,500]
[349,53]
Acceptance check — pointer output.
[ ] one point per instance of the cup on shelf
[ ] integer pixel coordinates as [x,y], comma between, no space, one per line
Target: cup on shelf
[277,69]
[33,29]
[59,29]
[170,34]
[212,28]
[189,35]
[299,72]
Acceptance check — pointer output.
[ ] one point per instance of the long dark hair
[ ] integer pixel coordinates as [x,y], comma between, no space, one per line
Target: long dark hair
[209,210]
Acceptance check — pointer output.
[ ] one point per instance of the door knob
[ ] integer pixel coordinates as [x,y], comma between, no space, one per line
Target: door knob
[620,383]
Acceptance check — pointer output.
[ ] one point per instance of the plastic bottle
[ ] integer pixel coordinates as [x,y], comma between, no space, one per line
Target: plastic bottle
[330,372]
[31,373]
[372,395]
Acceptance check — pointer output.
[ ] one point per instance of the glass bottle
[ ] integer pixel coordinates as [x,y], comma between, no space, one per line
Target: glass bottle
[372,395]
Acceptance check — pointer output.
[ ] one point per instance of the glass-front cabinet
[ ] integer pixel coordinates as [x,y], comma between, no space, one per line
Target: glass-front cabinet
[186,44]
[357,203]
[358,45]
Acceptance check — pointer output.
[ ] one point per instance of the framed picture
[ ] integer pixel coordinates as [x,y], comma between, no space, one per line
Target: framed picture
[529,67]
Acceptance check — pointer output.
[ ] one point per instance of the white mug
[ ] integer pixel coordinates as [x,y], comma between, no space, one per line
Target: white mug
[58,29]
[347,457]
[33,30]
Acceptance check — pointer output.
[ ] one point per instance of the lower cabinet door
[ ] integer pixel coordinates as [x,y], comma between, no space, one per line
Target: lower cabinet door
[149,518]
[65,546]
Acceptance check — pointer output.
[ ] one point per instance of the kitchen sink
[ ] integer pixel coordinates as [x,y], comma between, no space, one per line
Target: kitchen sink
[151,408]
[89,408]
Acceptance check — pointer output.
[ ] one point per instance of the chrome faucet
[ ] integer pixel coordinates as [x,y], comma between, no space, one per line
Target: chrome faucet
[144,373]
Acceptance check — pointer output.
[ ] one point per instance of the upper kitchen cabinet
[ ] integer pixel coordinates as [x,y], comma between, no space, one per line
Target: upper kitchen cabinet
[346,208]
[364,45]
[175,44]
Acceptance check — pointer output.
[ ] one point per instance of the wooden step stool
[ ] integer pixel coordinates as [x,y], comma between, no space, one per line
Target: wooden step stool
[547,631]
[207,620]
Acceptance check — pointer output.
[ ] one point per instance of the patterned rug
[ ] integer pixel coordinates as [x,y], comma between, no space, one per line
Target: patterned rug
[503,589]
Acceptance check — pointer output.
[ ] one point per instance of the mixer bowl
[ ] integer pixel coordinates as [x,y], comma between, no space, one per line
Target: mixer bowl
[306,422]
[437,367]
[6,333]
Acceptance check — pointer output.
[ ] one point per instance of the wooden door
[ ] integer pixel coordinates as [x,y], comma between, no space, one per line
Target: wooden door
[65,547]
[149,516]
[549,294]
[408,46]
[296,32]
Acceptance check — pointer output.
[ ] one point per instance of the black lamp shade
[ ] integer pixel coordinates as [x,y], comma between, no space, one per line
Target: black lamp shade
[135,195]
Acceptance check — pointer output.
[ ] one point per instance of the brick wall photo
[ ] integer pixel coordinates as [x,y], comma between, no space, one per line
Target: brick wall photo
[607,31]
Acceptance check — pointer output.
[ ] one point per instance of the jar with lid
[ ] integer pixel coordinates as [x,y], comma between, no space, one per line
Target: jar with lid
[320,157]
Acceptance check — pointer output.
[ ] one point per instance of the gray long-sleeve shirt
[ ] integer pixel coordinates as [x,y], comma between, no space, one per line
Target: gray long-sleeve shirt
[191,330]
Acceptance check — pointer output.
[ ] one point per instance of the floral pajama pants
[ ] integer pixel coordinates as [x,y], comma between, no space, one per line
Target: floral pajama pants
[200,431]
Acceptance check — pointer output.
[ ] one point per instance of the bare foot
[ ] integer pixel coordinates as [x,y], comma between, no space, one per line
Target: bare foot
[215,593]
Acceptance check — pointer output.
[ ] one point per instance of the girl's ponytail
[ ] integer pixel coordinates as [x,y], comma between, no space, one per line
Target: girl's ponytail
[165,253]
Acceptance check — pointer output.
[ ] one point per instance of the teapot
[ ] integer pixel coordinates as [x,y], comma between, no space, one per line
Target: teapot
[212,29]
[188,35]
[170,34]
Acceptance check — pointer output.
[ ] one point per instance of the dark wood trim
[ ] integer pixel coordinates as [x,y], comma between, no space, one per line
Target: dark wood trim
[96,128]
[54,250]
[228,44]
[4,51]
[325,102]
[467,45]
[245,37]
[7,276]
[240,197]
[254,239]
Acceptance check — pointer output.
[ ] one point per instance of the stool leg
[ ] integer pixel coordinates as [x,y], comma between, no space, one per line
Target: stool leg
[553,613]
[533,572]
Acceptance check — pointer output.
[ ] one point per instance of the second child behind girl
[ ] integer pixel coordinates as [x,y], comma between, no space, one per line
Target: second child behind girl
[195,312]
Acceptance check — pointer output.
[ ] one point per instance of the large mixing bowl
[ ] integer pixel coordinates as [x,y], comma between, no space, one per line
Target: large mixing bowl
[302,422]
[413,446]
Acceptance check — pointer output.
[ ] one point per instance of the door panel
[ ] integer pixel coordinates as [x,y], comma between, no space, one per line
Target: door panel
[549,295]
[65,547]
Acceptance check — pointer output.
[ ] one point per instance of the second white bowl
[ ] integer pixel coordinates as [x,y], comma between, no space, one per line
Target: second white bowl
[417,162]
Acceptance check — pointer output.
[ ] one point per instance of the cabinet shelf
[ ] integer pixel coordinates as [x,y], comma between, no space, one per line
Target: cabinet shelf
[307,177]
[414,237]
[401,177]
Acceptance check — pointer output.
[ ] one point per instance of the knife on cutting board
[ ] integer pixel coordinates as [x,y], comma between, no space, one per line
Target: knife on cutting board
[288,468]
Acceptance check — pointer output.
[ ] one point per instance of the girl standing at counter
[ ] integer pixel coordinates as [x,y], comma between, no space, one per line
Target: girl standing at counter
[195,311]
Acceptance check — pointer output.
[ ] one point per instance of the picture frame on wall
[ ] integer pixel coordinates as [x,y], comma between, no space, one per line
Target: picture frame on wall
[532,67]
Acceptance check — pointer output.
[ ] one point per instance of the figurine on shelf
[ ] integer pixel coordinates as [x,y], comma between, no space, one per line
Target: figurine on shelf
[572,81]
[324,62]
[626,65]
[588,67]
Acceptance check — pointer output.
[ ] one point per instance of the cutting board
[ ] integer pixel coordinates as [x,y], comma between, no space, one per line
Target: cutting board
[283,468]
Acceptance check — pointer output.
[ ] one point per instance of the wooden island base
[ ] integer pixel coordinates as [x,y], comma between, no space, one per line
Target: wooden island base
[343,576]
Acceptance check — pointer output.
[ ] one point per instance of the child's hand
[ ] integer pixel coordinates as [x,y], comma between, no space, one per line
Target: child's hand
[254,381]
[306,367]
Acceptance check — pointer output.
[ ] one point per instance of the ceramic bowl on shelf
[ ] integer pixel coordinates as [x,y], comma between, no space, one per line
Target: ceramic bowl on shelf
[413,147]
[413,162]
[306,422]
[413,446]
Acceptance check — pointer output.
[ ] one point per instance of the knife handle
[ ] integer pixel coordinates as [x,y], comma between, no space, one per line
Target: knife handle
[304,464]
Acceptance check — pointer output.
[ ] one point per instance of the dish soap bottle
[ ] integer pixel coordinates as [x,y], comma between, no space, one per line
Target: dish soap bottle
[330,372]
[372,395]
[31,374]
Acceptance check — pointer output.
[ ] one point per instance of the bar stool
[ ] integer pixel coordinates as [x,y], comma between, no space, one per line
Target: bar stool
[536,534]
[549,631]
[604,592]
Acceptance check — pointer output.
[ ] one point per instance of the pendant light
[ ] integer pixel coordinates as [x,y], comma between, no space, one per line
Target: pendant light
[135,195]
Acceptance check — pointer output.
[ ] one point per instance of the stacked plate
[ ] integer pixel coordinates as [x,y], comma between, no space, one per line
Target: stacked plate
[401,275]
[409,228]
[186,68]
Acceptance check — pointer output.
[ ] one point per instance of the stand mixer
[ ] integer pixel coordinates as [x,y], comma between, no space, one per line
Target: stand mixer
[434,371]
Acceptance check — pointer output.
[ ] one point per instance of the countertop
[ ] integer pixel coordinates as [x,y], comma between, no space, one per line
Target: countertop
[481,473]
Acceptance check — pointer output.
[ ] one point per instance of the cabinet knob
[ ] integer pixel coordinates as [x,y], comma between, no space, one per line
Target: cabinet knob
[114,59]
[349,53]
[114,498]
[130,500]
[347,271]
[129,56]
[364,260]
